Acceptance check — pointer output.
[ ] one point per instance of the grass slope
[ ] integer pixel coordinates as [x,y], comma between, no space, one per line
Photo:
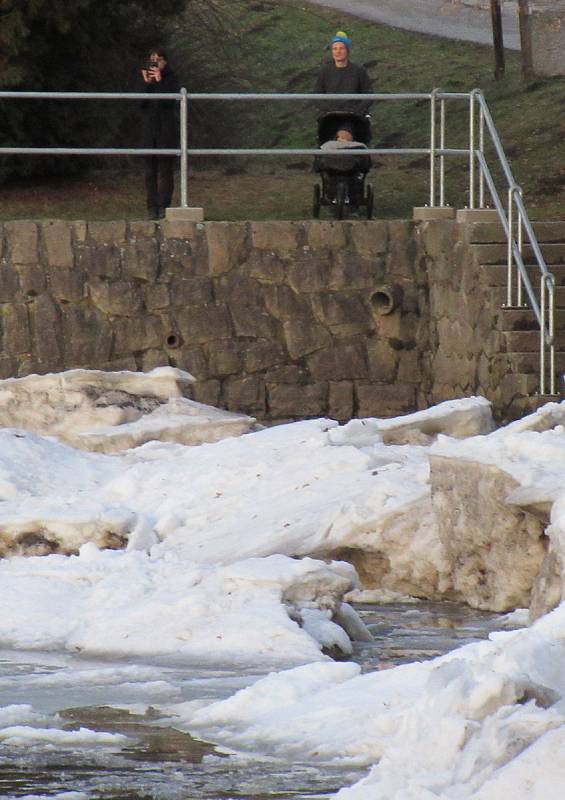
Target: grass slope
[268,46]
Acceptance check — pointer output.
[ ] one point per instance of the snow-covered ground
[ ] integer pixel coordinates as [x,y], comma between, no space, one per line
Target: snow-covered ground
[231,550]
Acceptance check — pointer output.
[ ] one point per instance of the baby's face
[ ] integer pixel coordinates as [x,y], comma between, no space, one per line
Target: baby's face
[344,136]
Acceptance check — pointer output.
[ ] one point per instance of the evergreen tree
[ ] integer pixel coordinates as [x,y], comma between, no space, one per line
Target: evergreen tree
[83,45]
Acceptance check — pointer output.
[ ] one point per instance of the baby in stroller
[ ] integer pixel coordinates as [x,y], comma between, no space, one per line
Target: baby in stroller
[343,176]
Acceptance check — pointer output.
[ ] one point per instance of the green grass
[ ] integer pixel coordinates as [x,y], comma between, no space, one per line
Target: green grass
[278,47]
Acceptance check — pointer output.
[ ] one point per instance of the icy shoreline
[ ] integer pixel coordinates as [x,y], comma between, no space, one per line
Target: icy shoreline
[242,547]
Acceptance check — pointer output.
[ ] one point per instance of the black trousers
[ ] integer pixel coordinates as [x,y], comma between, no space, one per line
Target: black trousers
[159,181]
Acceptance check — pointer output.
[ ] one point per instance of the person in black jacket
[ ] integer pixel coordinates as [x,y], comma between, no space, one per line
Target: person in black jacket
[160,130]
[342,76]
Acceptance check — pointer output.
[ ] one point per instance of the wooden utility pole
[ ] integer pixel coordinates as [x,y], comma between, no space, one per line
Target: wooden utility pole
[496,14]
[525,38]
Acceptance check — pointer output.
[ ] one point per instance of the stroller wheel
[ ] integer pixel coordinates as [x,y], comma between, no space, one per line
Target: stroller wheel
[316,203]
[370,201]
[340,196]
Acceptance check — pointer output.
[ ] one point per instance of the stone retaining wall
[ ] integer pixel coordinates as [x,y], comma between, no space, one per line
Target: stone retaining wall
[276,319]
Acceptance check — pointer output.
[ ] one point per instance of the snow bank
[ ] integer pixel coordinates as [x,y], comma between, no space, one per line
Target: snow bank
[113,411]
[105,602]
[487,717]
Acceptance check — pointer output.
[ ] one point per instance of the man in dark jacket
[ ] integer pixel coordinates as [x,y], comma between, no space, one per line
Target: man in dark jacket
[160,130]
[342,76]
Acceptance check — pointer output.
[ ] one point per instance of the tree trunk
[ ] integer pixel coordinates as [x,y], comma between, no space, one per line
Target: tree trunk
[496,14]
[525,38]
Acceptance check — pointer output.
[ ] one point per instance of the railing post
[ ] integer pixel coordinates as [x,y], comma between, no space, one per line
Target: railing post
[482,149]
[542,337]
[520,232]
[472,148]
[442,157]
[183,148]
[509,248]
[433,98]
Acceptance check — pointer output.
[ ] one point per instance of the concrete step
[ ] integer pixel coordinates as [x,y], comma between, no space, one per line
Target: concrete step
[523,319]
[528,341]
[528,363]
[496,274]
[499,295]
[553,253]
[492,232]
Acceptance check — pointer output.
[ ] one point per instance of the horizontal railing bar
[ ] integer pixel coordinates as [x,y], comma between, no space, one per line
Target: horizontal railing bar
[27,95]
[226,151]
[84,151]
[209,96]
[91,95]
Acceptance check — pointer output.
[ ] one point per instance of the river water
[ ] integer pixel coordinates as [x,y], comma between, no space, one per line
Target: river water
[161,763]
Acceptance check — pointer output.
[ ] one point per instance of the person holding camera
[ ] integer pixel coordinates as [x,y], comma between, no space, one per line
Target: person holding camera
[160,130]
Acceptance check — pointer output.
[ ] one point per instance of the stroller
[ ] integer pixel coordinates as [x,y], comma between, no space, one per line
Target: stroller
[343,177]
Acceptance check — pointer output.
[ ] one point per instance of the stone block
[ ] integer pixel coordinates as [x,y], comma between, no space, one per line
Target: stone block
[288,373]
[369,238]
[15,327]
[141,229]
[343,362]
[341,398]
[22,239]
[9,284]
[284,303]
[199,324]
[67,285]
[253,322]
[224,358]
[309,274]
[304,336]
[179,229]
[350,270]
[262,355]
[190,359]
[87,337]
[107,232]
[275,236]
[409,367]
[120,364]
[79,231]
[184,214]
[154,358]
[57,243]
[239,289]
[246,394]
[268,267]
[427,213]
[344,314]
[140,259]
[383,361]
[156,296]
[134,334]
[119,298]
[297,401]
[190,290]
[176,256]
[325,233]
[8,367]
[227,245]
[385,400]
[46,328]
[102,261]
[207,392]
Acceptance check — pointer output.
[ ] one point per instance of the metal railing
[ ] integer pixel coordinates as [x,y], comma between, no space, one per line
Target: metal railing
[514,218]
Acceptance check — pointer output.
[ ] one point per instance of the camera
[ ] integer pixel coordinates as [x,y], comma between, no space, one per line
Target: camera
[152,65]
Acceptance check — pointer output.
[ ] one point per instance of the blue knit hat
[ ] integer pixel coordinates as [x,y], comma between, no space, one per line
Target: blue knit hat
[342,37]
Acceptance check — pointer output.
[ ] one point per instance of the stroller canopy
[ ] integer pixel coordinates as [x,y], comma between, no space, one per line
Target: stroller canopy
[329,124]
